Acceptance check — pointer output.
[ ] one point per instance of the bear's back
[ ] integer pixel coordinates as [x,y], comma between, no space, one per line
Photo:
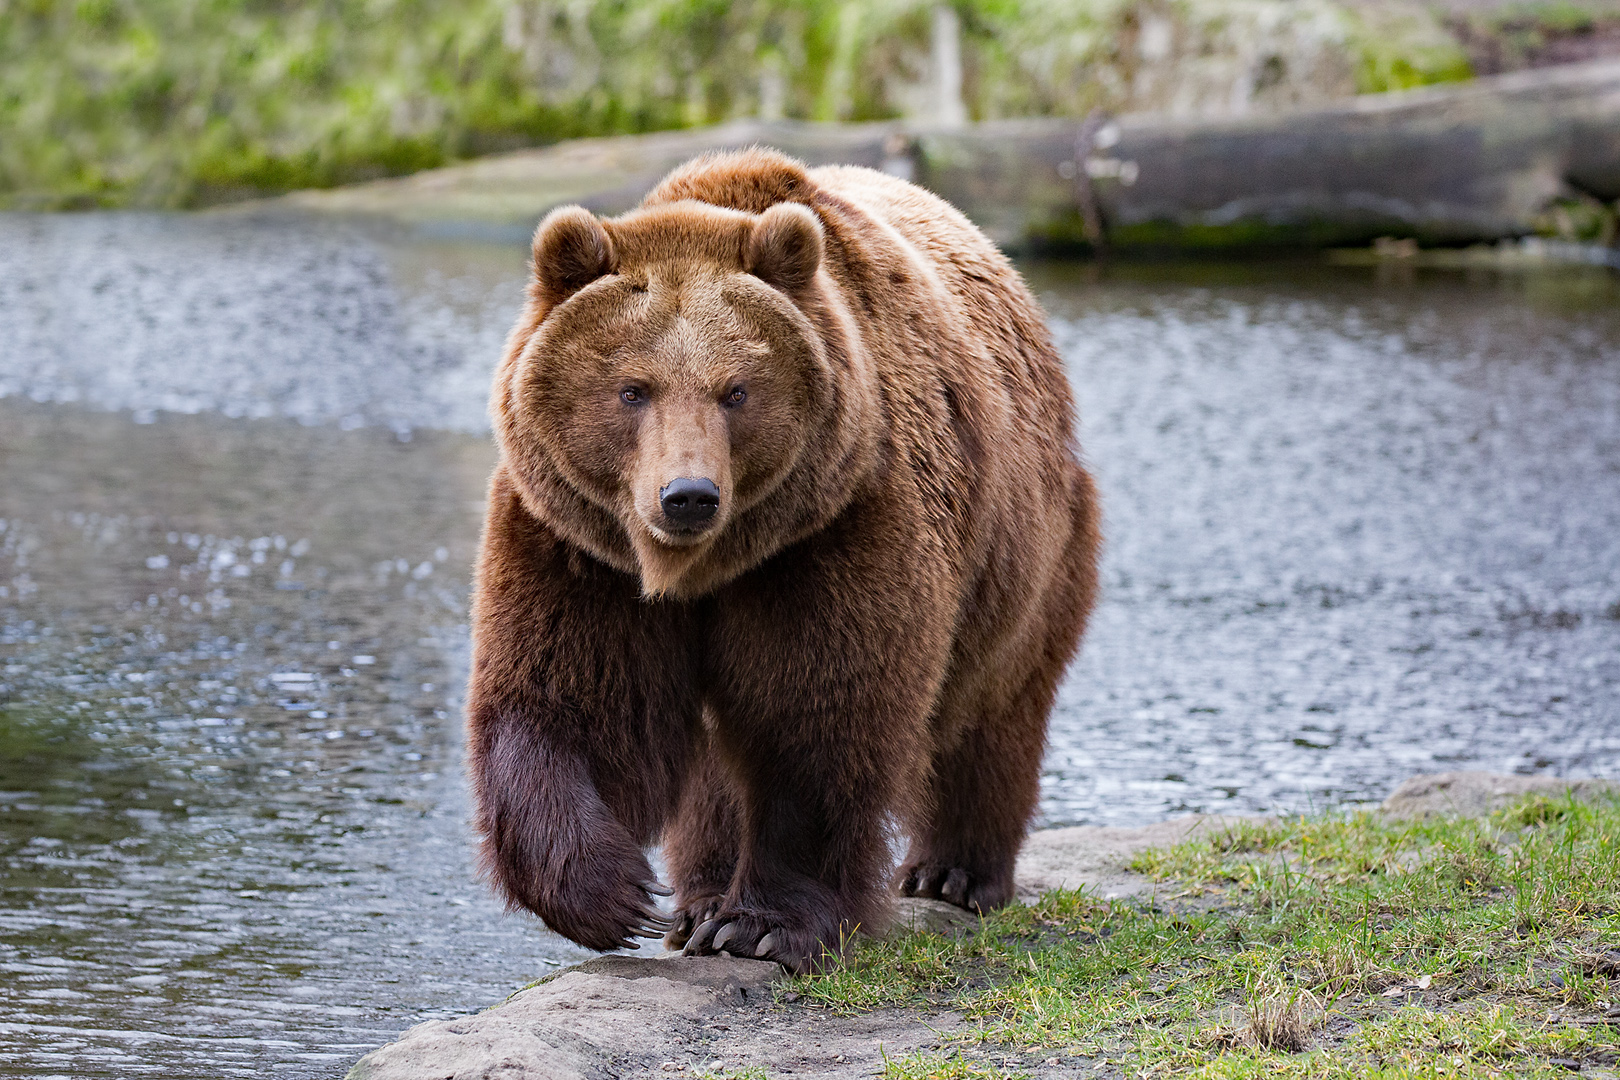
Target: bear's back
[981,280]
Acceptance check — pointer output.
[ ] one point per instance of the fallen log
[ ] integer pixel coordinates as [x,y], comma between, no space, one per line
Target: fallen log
[1447,165]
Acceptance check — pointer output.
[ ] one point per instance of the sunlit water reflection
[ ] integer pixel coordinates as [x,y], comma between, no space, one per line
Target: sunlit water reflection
[1360,526]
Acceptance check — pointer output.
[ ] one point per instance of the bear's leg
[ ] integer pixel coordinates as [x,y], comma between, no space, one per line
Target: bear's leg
[700,846]
[985,785]
[984,790]
[811,869]
[583,711]
[821,668]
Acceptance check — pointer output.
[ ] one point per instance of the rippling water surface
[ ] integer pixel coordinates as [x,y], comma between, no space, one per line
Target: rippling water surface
[1361,524]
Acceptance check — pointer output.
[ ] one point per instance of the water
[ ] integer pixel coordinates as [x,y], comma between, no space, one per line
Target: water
[1361,524]
[1358,529]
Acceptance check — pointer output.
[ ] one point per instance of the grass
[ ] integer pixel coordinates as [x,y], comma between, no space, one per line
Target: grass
[943,1067]
[183,103]
[1303,947]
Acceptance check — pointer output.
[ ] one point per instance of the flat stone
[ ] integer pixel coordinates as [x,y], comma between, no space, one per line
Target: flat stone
[1473,794]
[915,913]
[592,1021]
[1097,858]
[672,1015]
[726,973]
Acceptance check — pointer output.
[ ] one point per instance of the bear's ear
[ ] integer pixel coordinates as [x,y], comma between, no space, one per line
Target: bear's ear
[571,250]
[784,248]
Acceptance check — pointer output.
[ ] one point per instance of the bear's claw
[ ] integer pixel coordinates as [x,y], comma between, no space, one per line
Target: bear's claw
[751,936]
[699,943]
[688,917]
[954,885]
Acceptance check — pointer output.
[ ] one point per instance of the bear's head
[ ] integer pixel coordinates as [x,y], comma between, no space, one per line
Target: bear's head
[675,392]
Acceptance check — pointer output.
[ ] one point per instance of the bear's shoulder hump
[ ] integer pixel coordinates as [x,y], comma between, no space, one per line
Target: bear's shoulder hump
[751,180]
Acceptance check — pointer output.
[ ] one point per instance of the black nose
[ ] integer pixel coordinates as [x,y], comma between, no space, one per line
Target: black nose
[690,503]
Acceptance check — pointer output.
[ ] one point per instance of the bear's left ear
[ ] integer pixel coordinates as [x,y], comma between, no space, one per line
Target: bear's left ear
[784,248]
[571,250]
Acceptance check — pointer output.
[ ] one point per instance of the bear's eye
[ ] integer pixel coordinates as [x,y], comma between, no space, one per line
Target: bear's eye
[632,395]
[736,396]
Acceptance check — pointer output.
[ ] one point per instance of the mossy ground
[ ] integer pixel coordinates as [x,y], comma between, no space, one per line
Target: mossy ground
[1303,947]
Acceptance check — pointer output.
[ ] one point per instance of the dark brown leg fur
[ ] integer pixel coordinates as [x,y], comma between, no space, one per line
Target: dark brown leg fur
[701,846]
[984,790]
[582,713]
[820,715]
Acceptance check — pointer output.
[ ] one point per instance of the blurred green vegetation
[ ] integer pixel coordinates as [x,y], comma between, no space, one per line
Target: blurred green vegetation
[172,103]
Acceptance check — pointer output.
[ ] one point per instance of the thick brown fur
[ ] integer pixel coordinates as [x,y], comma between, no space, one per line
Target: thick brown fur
[870,629]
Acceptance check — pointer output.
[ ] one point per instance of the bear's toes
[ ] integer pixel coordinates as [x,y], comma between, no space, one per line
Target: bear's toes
[654,925]
[701,943]
[600,913]
[920,881]
[956,885]
[689,915]
[793,952]
[745,936]
[681,932]
[737,936]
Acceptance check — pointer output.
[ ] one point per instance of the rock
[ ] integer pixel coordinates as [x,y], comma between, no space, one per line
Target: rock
[618,1015]
[1096,858]
[914,913]
[1470,794]
[674,1016]
[597,1019]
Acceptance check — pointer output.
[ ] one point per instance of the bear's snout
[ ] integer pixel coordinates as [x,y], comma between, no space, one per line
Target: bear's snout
[690,504]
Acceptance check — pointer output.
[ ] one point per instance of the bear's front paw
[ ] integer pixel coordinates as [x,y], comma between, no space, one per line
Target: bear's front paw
[601,896]
[606,916]
[937,880]
[797,944]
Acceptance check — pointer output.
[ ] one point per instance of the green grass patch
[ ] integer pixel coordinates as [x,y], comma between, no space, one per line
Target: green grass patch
[1327,946]
[943,1067]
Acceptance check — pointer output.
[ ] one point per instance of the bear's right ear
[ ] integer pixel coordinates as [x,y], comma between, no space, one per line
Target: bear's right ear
[571,250]
[784,248]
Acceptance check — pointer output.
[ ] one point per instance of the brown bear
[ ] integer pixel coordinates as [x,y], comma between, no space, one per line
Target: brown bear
[787,547]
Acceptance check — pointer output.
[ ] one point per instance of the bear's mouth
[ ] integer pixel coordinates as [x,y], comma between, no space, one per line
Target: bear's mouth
[667,558]
[673,536]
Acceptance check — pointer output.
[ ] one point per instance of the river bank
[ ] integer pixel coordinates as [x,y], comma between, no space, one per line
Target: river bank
[1485,940]
[1497,158]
